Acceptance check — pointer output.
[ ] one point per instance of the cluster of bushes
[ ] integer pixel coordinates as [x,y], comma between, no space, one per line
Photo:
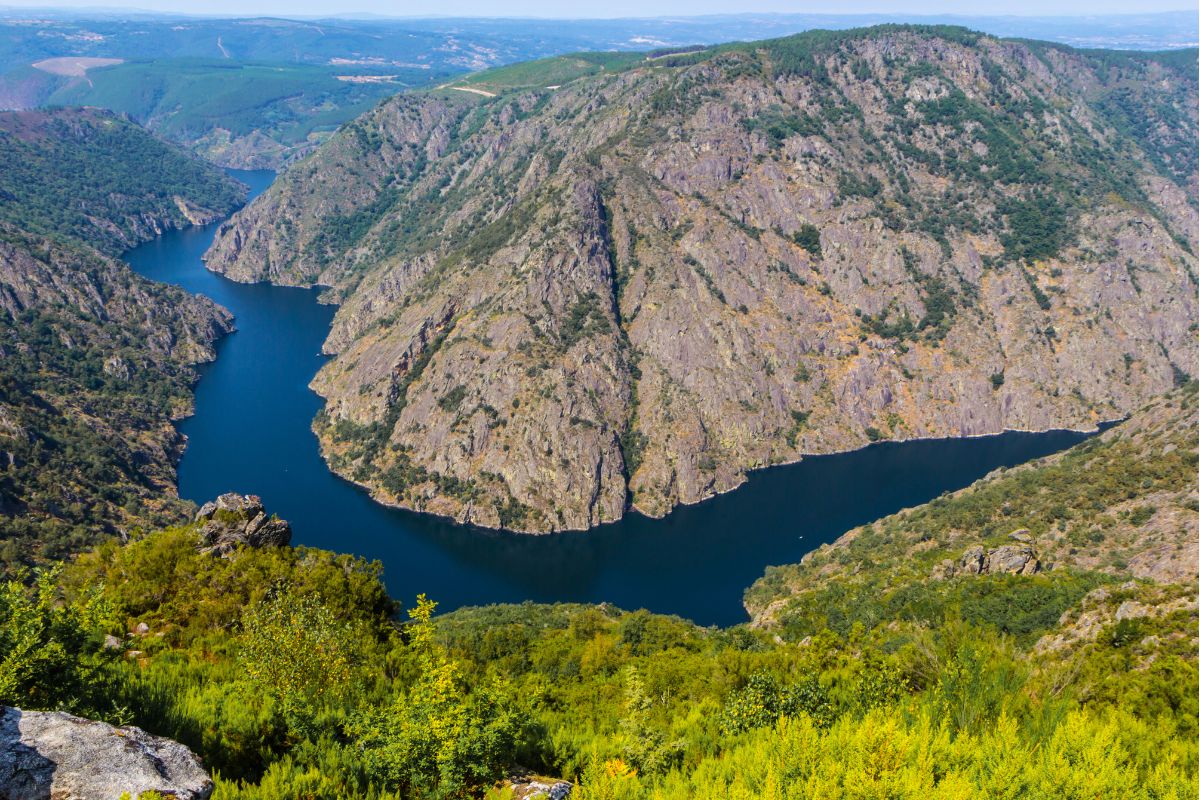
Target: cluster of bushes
[779,126]
[940,309]
[585,319]
[1037,228]
[292,674]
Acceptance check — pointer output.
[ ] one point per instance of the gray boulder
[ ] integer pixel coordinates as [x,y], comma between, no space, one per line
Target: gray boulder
[1131,609]
[49,755]
[972,560]
[1014,559]
[234,520]
[527,788]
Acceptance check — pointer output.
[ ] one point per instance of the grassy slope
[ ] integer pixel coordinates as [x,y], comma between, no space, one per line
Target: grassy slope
[1118,511]
[545,72]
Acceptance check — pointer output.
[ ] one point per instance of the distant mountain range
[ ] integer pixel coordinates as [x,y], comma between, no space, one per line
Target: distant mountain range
[499,40]
[260,92]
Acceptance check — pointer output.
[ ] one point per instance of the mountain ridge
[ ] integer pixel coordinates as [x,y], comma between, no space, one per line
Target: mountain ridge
[723,259]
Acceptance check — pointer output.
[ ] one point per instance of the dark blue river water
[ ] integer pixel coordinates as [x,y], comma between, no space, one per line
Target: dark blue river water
[251,434]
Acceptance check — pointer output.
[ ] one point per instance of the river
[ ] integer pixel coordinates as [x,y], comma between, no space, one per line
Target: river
[251,434]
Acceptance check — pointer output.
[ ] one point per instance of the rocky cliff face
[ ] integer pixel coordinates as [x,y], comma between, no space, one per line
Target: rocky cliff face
[49,755]
[629,290]
[95,361]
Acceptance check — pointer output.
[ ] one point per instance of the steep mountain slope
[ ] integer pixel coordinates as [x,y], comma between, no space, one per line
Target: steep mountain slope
[95,361]
[1118,507]
[629,289]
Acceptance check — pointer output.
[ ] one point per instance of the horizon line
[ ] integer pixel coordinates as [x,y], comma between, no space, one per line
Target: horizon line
[372,15]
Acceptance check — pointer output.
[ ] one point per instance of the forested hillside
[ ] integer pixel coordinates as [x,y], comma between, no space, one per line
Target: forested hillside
[605,282]
[879,672]
[1120,506]
[236,114]
[95,362]
[98,178]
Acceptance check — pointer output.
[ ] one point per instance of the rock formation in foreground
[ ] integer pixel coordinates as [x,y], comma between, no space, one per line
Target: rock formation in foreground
[49,755]
[624,292]
[233,520]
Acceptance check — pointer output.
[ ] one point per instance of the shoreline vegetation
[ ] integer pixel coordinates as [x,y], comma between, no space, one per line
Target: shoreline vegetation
[699,501]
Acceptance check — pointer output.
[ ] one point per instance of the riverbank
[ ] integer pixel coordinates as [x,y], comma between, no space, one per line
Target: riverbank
[251,433]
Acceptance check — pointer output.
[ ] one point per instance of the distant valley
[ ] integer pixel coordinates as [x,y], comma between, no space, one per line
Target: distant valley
[258,93]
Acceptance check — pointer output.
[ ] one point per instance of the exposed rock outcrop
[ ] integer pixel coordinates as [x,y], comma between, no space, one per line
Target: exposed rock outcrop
[233,520]
[1007,559]
[47,755]
[628,291]
[1103,609]
[531,788]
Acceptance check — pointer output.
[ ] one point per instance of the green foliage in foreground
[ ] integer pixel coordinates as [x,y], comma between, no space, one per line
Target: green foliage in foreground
[911,756]
[285,670]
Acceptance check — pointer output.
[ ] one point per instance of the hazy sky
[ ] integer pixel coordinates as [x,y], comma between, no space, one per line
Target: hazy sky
[622,8]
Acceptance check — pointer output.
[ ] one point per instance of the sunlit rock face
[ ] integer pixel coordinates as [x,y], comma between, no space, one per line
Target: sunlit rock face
[558,305]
